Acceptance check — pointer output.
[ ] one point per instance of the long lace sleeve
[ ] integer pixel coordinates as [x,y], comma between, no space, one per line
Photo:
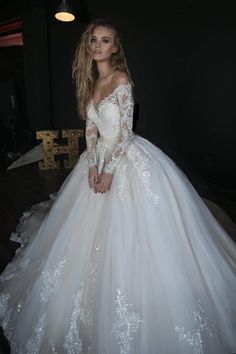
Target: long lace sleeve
[91,134]
[126,104]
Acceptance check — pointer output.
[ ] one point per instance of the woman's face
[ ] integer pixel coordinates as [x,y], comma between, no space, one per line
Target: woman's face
[102,43]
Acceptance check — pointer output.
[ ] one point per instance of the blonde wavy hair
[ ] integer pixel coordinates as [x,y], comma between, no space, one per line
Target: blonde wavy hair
[84,69]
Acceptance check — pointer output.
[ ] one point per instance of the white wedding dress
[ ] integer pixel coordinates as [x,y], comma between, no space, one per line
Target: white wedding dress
[142,269]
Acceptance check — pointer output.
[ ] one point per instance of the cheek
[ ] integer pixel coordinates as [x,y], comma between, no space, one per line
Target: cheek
[109,49]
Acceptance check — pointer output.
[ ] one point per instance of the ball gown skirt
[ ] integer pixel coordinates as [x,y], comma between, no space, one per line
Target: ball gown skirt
[142,269]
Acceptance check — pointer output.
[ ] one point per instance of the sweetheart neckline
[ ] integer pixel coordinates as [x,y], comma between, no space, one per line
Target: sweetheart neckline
[96,106]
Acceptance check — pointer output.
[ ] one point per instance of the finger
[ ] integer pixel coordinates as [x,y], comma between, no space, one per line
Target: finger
[91,181]
[100,190]
[104,189]
[92,184]
[96,187]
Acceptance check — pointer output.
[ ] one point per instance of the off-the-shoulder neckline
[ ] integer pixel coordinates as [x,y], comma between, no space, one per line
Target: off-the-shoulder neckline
[109,95]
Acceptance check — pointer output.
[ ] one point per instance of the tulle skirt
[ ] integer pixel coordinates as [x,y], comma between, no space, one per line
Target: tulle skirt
[142,269]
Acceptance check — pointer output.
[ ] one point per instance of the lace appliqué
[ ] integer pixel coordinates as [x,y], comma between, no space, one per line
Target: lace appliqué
[141,167]
[196,339]
[8,315]
[73,343]
[155,160]
[50,281]
[4,298]
[92,278]
[122,182]
[11,270]
[110,98]
[101,158]
[5,312]
[34,343]
[125,325]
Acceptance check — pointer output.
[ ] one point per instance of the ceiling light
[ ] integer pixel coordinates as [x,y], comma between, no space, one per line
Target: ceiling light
[64,12]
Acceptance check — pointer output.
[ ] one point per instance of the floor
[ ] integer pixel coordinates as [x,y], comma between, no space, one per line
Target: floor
[24,186]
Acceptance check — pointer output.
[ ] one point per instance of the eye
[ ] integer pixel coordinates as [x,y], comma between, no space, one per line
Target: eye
[92,40]
[106,40]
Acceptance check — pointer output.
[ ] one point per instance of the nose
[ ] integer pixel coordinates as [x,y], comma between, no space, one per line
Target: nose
[97,44]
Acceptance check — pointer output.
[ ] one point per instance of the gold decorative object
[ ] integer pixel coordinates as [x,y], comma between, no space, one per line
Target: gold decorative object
[51,149]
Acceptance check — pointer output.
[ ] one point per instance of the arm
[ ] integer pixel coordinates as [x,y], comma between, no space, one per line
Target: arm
[126,104]
[91,142]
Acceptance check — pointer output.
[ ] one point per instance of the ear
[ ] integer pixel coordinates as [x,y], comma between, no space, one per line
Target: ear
[115,49]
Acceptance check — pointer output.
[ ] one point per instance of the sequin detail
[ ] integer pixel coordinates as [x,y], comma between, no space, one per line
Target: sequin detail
[125,325]
[19,306]
[141,166]
[196,338]
[52,347]
[51,280]
[34,343]
[73,343]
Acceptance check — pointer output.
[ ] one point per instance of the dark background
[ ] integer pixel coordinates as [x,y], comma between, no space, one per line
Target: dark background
[181,55]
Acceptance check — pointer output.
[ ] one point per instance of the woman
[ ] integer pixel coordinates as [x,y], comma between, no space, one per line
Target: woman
[129,259]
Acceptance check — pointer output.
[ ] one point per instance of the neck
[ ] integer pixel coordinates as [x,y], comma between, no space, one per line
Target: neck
[104,70]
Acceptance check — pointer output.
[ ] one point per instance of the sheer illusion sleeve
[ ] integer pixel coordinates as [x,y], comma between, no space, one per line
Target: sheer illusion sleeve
[126,105]
[91,134]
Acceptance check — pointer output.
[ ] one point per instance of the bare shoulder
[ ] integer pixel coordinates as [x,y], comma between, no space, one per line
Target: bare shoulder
[120,78]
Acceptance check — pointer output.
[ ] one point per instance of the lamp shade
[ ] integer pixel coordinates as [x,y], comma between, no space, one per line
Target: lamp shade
[64,12]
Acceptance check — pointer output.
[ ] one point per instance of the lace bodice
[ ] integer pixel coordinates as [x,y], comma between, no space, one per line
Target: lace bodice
[110,121]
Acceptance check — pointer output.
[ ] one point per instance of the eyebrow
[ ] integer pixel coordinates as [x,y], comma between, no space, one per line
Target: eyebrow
[104,37]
